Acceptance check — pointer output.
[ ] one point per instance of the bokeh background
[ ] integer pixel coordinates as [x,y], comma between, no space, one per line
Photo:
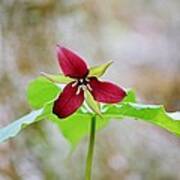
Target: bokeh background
[142,37]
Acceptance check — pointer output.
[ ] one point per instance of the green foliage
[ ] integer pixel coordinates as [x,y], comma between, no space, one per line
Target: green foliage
[77,126]
[14,128]
[99,71]
[42,92]
[59,78]
[94,105]
[150,113]
[131,97]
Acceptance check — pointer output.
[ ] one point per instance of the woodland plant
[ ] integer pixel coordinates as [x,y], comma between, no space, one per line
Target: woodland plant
[85,105]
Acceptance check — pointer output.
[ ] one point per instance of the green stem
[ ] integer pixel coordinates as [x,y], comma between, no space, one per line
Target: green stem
[89,159]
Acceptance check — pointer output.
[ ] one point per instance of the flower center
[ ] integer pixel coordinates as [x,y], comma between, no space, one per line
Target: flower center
[83,81]
[83,84]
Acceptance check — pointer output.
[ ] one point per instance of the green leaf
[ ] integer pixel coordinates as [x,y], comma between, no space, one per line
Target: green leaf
[93,105]
[150,113]
[77,126]
[14,128]
[131,97]
[57,78]
[98,71]
[41,91]
[74,127]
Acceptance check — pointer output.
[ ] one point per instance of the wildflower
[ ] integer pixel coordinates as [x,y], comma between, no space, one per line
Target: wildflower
[72,96]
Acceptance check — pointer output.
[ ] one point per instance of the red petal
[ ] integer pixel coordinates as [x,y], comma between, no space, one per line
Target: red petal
[68,101]
[106,92]
[71,64]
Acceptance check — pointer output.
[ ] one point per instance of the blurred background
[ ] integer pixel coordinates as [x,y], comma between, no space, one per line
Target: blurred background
[142,37]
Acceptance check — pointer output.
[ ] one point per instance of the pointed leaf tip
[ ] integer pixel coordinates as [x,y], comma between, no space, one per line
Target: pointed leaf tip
[99,71]
[150,113]
[57,78]
[93,105]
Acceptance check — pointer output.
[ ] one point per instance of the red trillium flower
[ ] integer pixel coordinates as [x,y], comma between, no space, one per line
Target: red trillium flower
[72,96]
